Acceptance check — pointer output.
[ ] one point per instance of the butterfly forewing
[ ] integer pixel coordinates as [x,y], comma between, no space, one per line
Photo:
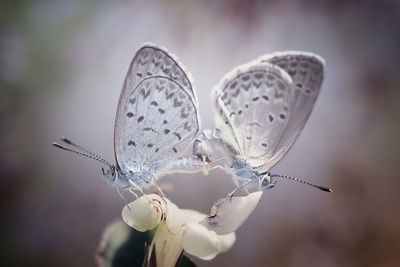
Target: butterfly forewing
[157,115]
[307,71]
[256,100]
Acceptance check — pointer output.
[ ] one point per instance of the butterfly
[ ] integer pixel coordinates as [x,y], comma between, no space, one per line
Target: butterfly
[157,120]
[261,108]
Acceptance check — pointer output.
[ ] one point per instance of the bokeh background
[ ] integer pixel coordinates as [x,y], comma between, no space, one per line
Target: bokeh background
[62,64]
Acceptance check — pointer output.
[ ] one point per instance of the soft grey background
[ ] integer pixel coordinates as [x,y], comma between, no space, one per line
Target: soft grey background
[62,64]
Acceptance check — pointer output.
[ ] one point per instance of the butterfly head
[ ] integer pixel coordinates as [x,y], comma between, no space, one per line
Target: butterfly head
[267,180]
[111,174]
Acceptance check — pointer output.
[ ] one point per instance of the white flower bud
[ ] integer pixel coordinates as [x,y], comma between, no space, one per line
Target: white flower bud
[198,241]
[144,213]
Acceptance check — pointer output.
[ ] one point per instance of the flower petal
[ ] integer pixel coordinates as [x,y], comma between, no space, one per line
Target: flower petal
[226,242]
[167,246]
[176,218]
[144,213]
[198,241]
[227,215]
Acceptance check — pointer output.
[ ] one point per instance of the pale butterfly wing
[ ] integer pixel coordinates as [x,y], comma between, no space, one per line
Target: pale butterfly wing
[255,100]
[157,114]
[307,72]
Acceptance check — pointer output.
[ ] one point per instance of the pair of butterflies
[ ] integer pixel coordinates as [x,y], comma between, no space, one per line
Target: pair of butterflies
[261,108]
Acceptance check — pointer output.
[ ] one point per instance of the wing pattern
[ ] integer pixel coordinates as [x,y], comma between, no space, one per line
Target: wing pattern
[307,72]
[255,100]
[157,115]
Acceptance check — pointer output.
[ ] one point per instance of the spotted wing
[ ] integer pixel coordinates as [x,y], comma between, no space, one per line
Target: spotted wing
[307,72]
[255,101]
[157,114]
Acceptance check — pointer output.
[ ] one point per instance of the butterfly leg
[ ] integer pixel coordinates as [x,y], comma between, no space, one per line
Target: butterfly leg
[133,193]
[231,194]
[139,189]
[159,191]
[123,197]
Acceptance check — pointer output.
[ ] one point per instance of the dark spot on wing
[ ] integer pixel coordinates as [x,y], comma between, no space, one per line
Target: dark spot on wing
[177,103]
[271,118]
[258,75]
[255,98]
[129,114]
[159,88]
[132,100]
[175,150]
[149,129]
[141,118]
[139,74]
[282,65]
[156,150]
[165,121]
[240,112]
[246,87]
[245,77]
[183,114]
[154,103]
[257,85]
[265,97]
[264,144]
[308,91]
[248,137]
[187,127]
[233,85]
[178,135]
[168,96]
[150,145]
[131,143]
[246,106]
[282,116]
[166,131]
[144,93]
[149,73]
[161,110]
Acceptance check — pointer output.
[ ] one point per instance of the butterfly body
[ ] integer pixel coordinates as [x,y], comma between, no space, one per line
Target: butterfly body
[156,122]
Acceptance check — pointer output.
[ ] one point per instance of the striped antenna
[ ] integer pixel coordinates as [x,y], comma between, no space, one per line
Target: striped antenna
[323,188]
[85,153]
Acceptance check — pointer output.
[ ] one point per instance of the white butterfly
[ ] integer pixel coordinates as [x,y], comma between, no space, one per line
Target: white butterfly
[261,109]
[157,120]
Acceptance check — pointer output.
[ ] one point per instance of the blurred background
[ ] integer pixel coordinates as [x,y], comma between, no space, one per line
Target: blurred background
[62,65]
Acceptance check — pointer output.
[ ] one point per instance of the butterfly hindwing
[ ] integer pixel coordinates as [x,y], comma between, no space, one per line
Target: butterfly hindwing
[307,72]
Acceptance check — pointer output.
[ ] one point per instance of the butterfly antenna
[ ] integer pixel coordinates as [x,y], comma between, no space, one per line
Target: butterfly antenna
[69,142]
[326,189]
[80,153]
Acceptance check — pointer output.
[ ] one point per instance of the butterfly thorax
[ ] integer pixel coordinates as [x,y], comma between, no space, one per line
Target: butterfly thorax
[140,177]
[243,169]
